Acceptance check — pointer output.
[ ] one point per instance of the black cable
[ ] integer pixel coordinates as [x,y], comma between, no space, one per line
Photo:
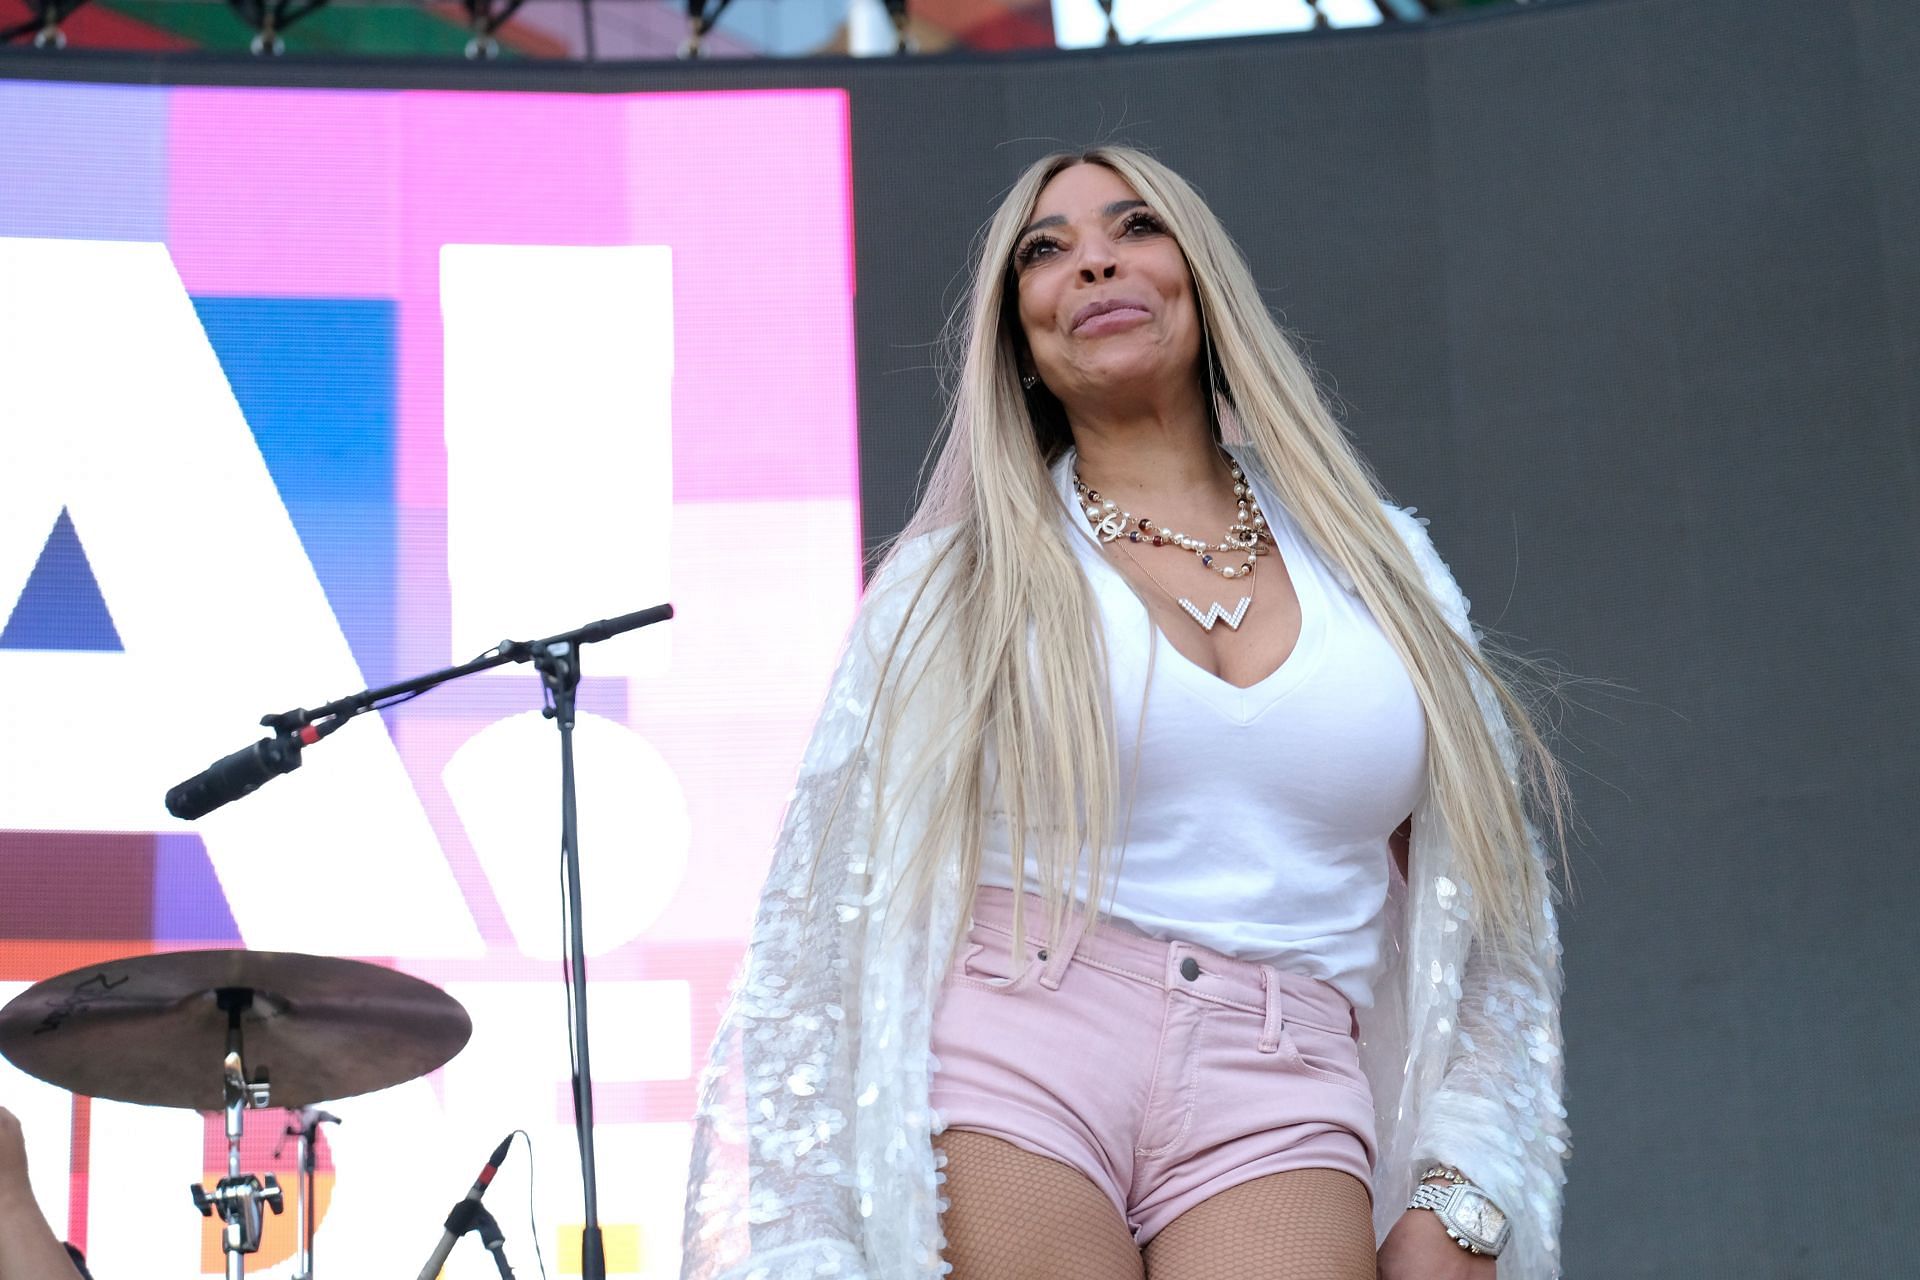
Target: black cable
[550,707]
[566,983]
[533,1224]
[566,988]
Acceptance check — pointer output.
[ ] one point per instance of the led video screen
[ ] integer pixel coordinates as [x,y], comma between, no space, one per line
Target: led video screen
[313,391]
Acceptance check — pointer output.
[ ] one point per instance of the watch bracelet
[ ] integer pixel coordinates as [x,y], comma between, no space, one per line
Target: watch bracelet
[1418,1201]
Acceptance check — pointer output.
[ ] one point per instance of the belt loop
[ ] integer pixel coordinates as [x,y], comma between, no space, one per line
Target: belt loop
[1058,954]
[1270,1029]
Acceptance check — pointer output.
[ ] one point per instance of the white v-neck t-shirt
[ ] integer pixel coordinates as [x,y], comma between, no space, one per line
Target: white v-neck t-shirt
[1259,816]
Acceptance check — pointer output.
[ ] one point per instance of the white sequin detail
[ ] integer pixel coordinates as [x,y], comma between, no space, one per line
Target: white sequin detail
[812,1149]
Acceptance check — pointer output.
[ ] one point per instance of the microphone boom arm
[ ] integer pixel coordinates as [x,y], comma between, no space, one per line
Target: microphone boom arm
[240,774]
[557,658]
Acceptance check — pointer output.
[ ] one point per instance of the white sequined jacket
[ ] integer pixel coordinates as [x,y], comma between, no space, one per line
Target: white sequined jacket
[812,1152]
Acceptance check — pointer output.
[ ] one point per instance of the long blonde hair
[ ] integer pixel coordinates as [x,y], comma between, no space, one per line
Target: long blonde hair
[1004,626]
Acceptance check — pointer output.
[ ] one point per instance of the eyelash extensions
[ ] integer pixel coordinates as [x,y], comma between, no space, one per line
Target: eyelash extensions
[1140,219]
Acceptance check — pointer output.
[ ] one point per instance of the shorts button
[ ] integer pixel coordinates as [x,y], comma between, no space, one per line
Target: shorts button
[1190,968]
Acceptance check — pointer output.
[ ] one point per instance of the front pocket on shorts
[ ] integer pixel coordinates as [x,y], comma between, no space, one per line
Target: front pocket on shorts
[1325,1055]
[991,966]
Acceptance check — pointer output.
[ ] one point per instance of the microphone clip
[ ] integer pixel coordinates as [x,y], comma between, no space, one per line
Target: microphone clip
[493,1238]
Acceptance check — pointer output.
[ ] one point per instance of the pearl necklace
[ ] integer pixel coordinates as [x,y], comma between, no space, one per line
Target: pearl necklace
[1245,535]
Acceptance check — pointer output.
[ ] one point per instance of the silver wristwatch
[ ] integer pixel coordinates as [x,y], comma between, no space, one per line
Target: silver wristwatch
[1474,1221]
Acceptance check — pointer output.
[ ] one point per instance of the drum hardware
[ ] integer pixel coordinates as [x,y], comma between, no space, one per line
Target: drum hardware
[239,1199]
[288,1030]
[306,1132]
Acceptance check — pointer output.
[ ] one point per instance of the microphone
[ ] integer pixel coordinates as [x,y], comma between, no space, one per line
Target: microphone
[465,1213]
[239,774]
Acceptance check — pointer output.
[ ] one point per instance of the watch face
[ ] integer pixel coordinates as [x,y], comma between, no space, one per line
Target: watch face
[1475,1216]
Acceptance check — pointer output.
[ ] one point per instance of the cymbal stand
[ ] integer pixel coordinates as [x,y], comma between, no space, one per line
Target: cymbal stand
[307,1131]
[240,1199]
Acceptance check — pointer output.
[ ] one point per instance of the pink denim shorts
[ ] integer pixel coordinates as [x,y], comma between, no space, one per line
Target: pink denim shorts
[1163,1071]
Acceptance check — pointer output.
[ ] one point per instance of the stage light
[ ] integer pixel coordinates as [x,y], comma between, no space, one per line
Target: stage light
[897,13]
[484,17]
[44,25]
[701,15]
[269,18]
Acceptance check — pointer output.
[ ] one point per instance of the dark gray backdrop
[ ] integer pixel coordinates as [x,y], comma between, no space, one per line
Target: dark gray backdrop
[1625,295]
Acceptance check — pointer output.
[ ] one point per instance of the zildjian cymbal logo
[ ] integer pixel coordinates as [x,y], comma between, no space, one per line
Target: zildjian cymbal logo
[77,1000]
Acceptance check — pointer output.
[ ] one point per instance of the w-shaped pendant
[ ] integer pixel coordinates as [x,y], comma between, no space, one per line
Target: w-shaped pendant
[1215,613]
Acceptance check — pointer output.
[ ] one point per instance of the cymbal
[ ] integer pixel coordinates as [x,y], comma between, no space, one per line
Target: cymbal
[151,1029]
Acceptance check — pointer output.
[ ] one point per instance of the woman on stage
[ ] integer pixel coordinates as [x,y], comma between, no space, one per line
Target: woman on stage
[1161,895]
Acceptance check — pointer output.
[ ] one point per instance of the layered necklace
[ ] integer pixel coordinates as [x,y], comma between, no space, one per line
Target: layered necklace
[1245,537]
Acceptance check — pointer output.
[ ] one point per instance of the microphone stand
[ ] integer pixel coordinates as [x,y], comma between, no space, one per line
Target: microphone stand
[558,663]
[557,659]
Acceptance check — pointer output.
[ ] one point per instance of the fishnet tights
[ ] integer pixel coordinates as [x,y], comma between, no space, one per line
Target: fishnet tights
[1014,1215]
[1305,1224]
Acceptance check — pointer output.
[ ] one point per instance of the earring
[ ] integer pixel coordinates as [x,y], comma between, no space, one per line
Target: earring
[1030,380]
